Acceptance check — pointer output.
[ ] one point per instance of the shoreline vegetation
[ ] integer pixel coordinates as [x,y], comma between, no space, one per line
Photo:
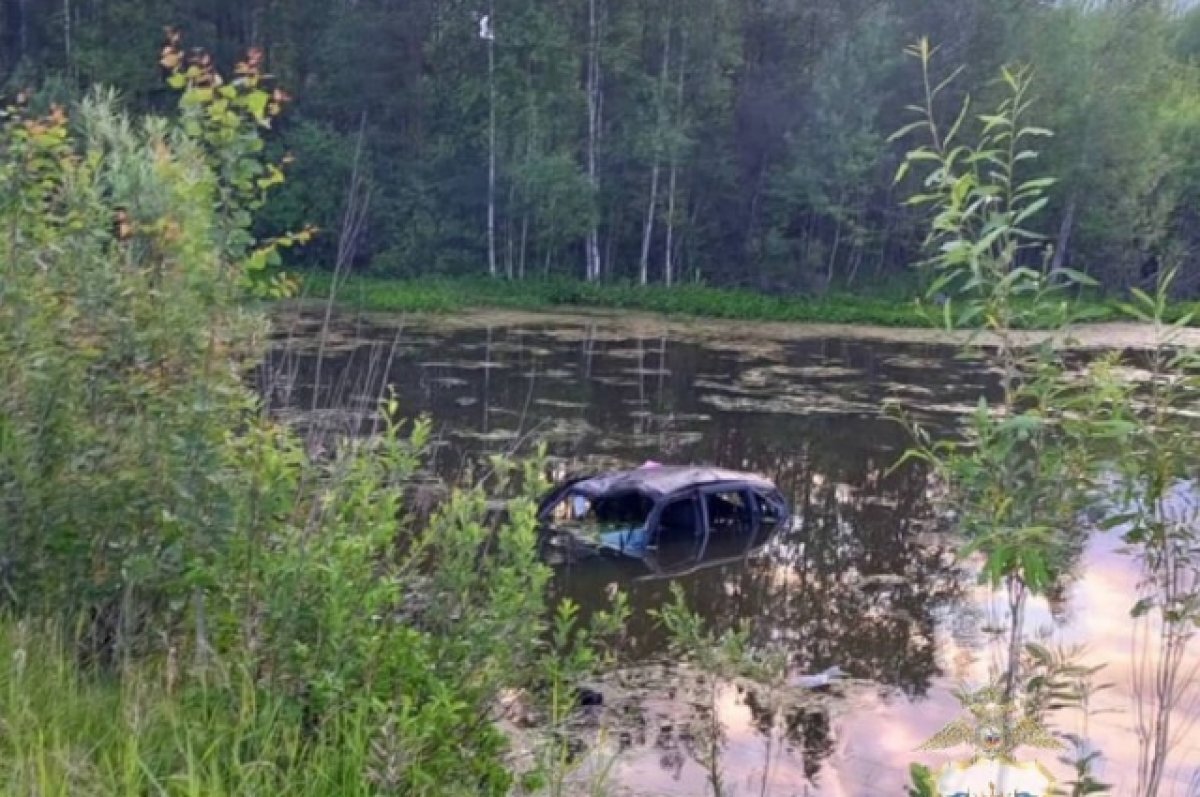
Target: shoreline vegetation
[438,295]
[194,598]
[199,598]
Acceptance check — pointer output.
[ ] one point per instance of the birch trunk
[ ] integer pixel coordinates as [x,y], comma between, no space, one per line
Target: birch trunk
[648,227]
[592,254]
[67,32]
[491,211]
[510,240]
[524,241]
[668,264]
[652,205]
[1064,235]
[833,252]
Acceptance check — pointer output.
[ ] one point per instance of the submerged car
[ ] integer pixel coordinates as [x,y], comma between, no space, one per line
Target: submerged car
[672,518]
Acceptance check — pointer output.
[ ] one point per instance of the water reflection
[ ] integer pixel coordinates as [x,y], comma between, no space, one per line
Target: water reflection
[863,580]
[857,582]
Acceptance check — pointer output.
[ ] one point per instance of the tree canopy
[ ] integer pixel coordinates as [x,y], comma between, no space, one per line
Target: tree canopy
[736,142]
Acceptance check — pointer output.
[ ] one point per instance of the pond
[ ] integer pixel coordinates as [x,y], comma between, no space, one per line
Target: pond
[864,579]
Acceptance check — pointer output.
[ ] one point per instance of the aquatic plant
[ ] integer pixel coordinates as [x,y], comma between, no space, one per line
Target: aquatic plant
[890,307]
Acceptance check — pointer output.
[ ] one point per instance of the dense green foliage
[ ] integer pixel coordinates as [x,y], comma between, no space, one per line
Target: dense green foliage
[231,610]
[744,143]
[1061,453]
[442,295]
[892,307]
[1020,478]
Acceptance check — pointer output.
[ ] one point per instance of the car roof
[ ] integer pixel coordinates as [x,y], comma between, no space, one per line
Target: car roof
[663,480]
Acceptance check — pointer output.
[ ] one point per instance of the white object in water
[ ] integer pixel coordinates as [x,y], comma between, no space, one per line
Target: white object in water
[994,776]
[818,681]
[485,28]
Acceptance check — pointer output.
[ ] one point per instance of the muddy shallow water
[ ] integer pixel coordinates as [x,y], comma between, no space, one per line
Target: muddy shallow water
[864,580]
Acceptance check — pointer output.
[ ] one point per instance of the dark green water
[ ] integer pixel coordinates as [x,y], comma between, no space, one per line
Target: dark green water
[864,578]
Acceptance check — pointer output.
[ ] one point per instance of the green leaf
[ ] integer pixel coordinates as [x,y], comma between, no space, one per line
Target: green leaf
[923,783]
[256,103]
[1143,297]
[991,120]
[1078,277]
[962,114]
[948,80]
[1036,573]
[904,131]
[1036,184]
[1030,210]
[1137,313]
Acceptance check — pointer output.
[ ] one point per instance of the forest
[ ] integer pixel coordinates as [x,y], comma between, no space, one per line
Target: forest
[739,143]
[256,544]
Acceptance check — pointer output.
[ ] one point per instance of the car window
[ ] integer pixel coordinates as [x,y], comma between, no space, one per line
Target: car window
[770,508]
[571,507]
[729,512]
[626,509]
[678,520]
[616,522]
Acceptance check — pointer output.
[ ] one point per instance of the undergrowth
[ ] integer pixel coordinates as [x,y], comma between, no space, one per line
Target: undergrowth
[193,598]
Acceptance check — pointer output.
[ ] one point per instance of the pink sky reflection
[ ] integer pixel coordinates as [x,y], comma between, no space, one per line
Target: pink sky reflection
[876,734]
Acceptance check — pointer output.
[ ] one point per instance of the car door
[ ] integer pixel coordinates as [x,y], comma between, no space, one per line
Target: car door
[677,532]
[731,519]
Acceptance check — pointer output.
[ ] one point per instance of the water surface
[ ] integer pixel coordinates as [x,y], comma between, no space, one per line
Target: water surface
[864,579]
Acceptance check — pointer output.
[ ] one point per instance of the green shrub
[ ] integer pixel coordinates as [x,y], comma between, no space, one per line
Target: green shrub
[121,341]
[261,617]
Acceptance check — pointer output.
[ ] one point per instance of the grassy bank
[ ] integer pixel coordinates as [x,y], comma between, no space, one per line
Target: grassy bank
[442,295]
[69,731]
[436,295]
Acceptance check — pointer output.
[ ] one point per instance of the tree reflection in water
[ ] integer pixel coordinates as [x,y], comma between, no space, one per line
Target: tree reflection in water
[860,581]
[857,583]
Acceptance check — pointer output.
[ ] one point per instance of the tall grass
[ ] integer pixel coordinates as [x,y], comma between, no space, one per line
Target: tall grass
[72,731]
